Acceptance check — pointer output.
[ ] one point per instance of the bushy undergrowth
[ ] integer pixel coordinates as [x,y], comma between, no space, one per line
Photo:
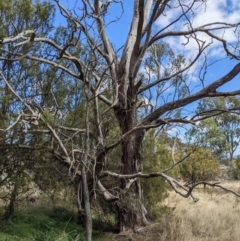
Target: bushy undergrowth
[44,224]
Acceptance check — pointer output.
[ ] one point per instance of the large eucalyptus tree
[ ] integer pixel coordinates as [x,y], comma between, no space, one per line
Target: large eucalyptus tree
[144,84]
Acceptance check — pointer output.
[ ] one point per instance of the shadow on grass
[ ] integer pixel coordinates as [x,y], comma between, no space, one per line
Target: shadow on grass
[44,224]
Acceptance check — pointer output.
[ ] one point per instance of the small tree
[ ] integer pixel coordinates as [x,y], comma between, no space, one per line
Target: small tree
[201,165]
[236,168]
[157,157]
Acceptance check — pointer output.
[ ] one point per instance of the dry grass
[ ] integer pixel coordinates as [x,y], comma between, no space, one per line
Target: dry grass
[214,217]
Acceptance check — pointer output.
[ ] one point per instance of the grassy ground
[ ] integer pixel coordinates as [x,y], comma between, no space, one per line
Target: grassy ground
[45,224]
[214,217]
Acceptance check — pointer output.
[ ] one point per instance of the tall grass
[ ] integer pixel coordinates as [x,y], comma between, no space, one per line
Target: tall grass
[215,217]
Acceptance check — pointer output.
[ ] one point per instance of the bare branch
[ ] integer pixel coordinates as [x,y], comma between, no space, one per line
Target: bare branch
[209,91]
[15,122]
[107,195]
[21,35]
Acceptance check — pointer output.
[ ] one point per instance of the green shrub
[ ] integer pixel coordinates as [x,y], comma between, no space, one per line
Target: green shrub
[236,168]
[156,158]
[201,165]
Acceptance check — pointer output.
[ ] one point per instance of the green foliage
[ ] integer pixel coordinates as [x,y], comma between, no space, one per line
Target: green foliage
[44,10]
[156,158]
[20,15]
[49,118]
[236,168]
[221,124]
[201,165]
[204,135]
[23,8]
[26,8]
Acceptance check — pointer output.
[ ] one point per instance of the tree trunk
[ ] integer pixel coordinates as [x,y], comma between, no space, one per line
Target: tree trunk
[86,199]
[10,211]
[130,207]
[11,208]
[88,217]
[83,204]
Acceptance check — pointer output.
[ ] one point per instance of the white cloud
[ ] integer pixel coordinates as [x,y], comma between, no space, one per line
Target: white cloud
[225,11]
[212,11]
[173,131]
